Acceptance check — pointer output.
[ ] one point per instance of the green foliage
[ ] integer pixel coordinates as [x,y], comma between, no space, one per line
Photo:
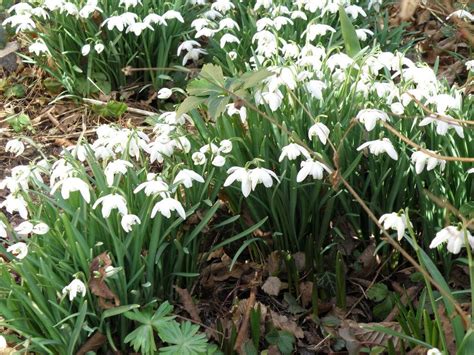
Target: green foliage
[20,122]
[113,109]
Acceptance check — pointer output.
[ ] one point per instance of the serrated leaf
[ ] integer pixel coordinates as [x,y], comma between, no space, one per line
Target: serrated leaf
[252,79]
[189,104]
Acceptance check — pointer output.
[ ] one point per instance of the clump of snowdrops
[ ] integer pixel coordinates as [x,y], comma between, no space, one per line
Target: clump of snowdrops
[107,228]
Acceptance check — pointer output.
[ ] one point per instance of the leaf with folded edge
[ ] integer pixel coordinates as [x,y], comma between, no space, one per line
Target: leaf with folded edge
[351,42]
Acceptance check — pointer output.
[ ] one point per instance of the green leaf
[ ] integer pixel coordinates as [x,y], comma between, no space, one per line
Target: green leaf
[118,310]
[20,122]
[183,339]
[351,42]
[252,79]
[189,104]
[15,91]
[467,344]
[113,109]
[377,292]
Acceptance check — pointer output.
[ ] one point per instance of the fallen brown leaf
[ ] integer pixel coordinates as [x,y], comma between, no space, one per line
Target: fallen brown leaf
[188,303]
[97,283]
[272,286]
[284,323]
[93,343]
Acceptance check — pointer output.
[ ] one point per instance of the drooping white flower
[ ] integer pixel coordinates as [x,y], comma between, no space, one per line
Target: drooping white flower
[164,93]
[99,47]
[470,65]
[138,27]
[117,167]
[315,88]
[354,11]
[293,151]
[218,161]
[222,6]
[3,343]
[363,34]
[319,130]
[422,160]
[462,14]
[396,221]
[369,118]
[242,112]
[242,175]
[228,38]
[40,228]
[273,99]
[173,15]
[314,30]
[263,3]
[153,186]
[72,184]
[454,236]
[470,171]
[38,47]
[228,23]
[199,158]
[85,50]
[128,221]
[434,351]
[15,146]
[186,177]
[24,228]
[166,205]
[397,108]
[13,204]
[225,146]
[152,19]
[19,250]
[442,127]
[312,168]
[262,176]
[130,3]
[3,230]
[379,146]
[110,202]
[75,288]
[21,22]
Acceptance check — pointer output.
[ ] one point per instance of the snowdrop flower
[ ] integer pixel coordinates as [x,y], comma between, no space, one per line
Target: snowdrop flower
[228,23]
[198,24]
[369,118]
[293,151]
[72,184]
[397,221]
[363,34]
[312,31]
[225,146]
[222,6]
[354,11]
[397,108]
[218,161]
[205,32]
[199,158]
[152,19]
[15,204]
[242,175]
[193,55]
[38,47]
[319,130]
[89,9]
[99,48]
[434,351]
[20,9]
[128,221]
[40,229]
[186,177]
[442,127]
[228,38]
[312,168]
[119,22]
[72,10]
[242,112]
[138,27]
[421,159]
[267,43]
[154,185]
[15,146]
[263,3]
[110,202]
[280,21]
[232,55]
[454,236]
[211,147]
[462,14]
[379,146]
[19,250]
[315,88]
[470,65]
[340,60]
[470,171]
[3,230]
[75,288]
[164,93]
[85,50]
[173,15]
[130,3]
[117,167]
[273,99]
[21,22]
[166,205]
[262,176]
[24,228]
[3,343]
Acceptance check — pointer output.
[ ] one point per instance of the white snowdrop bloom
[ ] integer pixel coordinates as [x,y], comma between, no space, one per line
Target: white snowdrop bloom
[290,50]
[315,88]
[79,152]
[212,14]
[273,99]
[3,230]
[138,27]
[228,38]
[211,147]
[20,22]
[158,151]
[3,343]
[153,19]
[199,158]
[38,47]
[173,15]
[263,23]
[242,112]
[444,102]
[15,146]
[193,55]
[228,23]
[205,32]
[434,351]
[117,167]
[128,221]
[312,31]
[470,171]
[171,118]
[354,11]
[40,12]
[74,289]
[397,108]
[298,15]
[21,8]
[40,228]
[111,202]
[218,161]
[72,184]
[379,146]
[182,143]
[153,186]
[462,14]
[363,34]
[396,221]
[222,6]
[164,93]
[470,65]
[375,4]
[312,168]
[121,21]
[186,177]
[130,3]
[99,47]
[369,118]
[24,228]
[232,55]
[442,127]
[293,151]
[422,160]
[319,130]
[454,236]
[198,24]
[280,21]
[340,60]
[225,146]
[267,44]
[15,204]
[242,175]
[266,4]
[85,50]
[262,176]
[166,206]
[89,8]
[19,250]
[71,9]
